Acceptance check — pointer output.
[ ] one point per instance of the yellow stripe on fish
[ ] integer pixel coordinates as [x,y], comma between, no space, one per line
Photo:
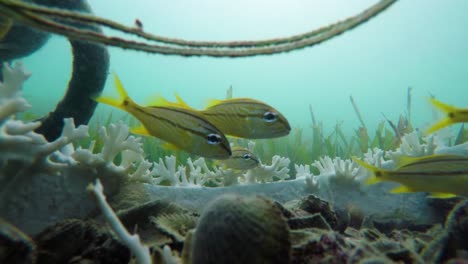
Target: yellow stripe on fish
[183,128]
[442,175]
[453,115]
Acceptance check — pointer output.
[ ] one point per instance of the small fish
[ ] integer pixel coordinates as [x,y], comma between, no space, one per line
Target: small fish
[444,176]
[453,115]
[5,25]
[246,118]
[241,159]
[184,129]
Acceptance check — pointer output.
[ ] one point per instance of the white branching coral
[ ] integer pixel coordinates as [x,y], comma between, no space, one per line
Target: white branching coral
[412,146]
[28,193]
[166,171]
[18,141]
[278,169]
[197,173]
[303,172]
[116,140]
[338,171]
[11,100]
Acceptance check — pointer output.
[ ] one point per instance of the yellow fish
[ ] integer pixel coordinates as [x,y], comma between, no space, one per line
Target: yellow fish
[246,118]
[183,128]
[241,117]
[442,175]
[241,159]
[453,115]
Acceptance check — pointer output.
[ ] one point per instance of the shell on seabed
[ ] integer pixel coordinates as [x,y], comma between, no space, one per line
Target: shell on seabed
[237,229]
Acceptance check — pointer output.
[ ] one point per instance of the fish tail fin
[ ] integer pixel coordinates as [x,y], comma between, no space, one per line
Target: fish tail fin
[447,109]
[376,172]
[123,99]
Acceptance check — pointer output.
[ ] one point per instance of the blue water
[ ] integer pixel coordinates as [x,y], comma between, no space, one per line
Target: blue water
[418,43]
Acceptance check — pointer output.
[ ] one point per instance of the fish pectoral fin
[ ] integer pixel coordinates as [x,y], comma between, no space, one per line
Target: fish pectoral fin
[402,189]
[372,180]
[181,102]
[158,100]
[442,195]
[140,130]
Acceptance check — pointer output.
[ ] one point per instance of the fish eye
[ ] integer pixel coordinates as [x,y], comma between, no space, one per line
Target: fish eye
[213,139]
[270,116]
[246,156]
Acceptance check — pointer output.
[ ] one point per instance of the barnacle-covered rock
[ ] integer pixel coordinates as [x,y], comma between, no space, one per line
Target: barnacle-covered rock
[15,246]
[175,225]
[235,229]
[140,218]
[313,204]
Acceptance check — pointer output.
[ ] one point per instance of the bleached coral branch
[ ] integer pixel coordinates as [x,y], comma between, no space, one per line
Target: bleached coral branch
[340,171]
[166,171]
[266,173]
[303,172]
[141,252]
[411,146]
[116,139]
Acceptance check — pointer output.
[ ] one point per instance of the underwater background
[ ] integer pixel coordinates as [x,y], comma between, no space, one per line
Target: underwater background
[418,43]
[359,179]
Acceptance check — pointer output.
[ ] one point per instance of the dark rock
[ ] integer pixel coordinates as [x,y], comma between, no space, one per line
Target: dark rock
[311,221]
[313,205]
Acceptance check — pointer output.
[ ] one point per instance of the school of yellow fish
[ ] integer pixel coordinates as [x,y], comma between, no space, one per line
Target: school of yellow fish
[202,132]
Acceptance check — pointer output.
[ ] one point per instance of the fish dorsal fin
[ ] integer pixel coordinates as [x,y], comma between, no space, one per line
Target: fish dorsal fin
[402,189]
[140,130]
[213,102]
[181,102]
[159,100]
[442,195]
